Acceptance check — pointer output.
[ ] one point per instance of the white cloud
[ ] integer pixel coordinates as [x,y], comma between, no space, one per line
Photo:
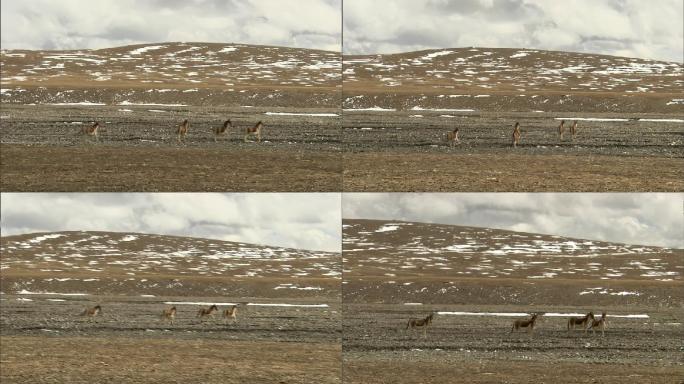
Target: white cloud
[79,24]
[636,28]
[633,218]
[307,221]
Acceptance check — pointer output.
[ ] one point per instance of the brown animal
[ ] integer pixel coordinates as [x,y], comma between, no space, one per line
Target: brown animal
[413,322]
[203,312]
[90,313]
[600,323]
[583,321]
[169,314]
[516,135]
[452,137]
[561,128]
[573,129]
[182,130]
[525,323]
[219,131]
[92,130]
[230,313]
[255,130]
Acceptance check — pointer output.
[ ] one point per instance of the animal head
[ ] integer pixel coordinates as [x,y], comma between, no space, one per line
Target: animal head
[517,124]
[227,123]
[213,307]
[590,314]
[173,308]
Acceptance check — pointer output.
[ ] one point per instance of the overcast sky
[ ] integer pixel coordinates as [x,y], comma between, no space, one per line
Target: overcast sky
[79,24]
[632,218]
[297,220]
[634,28]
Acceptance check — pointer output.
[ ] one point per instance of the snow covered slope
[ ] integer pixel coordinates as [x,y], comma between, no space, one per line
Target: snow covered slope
[184,73]
[402,249]
[87,262]
[510,79]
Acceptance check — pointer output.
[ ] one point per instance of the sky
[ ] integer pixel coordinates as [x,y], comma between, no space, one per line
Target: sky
[655,219]
[633,28]
[92,24]
[298,220]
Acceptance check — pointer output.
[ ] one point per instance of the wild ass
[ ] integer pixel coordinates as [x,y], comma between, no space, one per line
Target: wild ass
[600,323]
[561,128]
[525,323]
[169,314]
[220,131]
[583,321]
[452,137]
[203,312]
[230,313]
[91,130]
[414,322]
[182,130]
[573,129]
[90,313]
[255,130]
[516,134]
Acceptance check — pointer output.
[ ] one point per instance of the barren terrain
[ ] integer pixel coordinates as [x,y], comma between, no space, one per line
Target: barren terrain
[477,281]
[398,109]
[138,150]
[287,328]
[206,74]
[139,94]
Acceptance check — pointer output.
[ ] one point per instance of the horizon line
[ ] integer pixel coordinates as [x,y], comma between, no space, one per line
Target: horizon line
[4,237]
[341,51]
[508,230]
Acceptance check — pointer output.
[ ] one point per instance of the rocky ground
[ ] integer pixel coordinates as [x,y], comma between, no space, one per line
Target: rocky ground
[138,150]
[477,281]
[481,349]
[407,151]
[287,328]
[45,341]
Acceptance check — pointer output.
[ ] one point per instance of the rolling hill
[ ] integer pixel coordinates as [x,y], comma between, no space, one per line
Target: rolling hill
[106,263]
[504,79]
[174,73]
[445,263]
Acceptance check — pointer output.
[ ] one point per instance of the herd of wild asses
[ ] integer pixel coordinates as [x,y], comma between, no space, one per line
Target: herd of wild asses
[170,313]
[586,322]
[182,130]
[452,136]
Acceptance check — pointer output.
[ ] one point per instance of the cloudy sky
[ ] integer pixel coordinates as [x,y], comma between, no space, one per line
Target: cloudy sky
[632,218]
[633,28]
[298,220]
[79,24]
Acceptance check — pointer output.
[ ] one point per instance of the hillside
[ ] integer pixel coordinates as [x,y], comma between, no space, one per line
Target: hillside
[435,262]
[173,73]
[141,264]
[512,80]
